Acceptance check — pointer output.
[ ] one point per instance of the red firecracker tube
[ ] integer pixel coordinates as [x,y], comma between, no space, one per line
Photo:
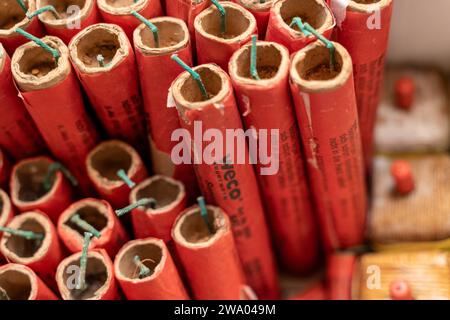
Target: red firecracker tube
[18,134]
[326,110]
[73,16]
[261,11]
[62,120]
[339,274]
[162,281]
[208,255]
[100,215]
[19,282]
[315,12]
[266,104]
[225,183]
[119,108]
[217,47]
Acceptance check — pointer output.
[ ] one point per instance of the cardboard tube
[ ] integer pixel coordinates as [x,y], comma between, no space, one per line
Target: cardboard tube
[363,29]
[100,280]
[21,283]
[100,215]
[261,11]
[209,257]
[12,17]
[5,169]
[68,131]
[315,12]
[170,197]
[339,274]
[102,165]
[74,15]
[157,71]
[266,104]
[6,214]
[120,111]
[212,46]
[18,134]
[162,283]
[119,12]
[187,11]
[326,110]
[28,191]
[230,186]
[43,256]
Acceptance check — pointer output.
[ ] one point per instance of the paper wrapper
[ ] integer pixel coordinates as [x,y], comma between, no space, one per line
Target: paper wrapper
[231,186]
[21,283]
[119,108]
[426,272]
[186,10]
[102,165]
[212,46]
[100,215]
[100,280]
[43,256]
[260,11]
[266,104]
[316,292]
[419,219]
[170,199]
[6,214]
[62,120]
[18,134]
[157,71]
[163,283]
[426,126]
[29,193]
[209,259]
[315,12]
[326,110]
[339,273]
[363,29]
[119,12]
[72,20]
[13,17]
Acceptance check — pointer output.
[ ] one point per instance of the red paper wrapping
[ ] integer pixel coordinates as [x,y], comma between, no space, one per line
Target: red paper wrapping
[6,214]
[186,10]
[62,120]
[164,282]
[209,258]
[339,273]
[5,169]
[170,197]
[316,292]
[21,283]
[9,14]
[326,109]
[363,29]
[120,12]
[266,105]
[28,191]
[102,164]
[119,108]
[261,12]
[212,46]
[71,20]
[100,279]
[18,134]
[315,12]
[43,256]
[231,186]
[157,71]
[100,215]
